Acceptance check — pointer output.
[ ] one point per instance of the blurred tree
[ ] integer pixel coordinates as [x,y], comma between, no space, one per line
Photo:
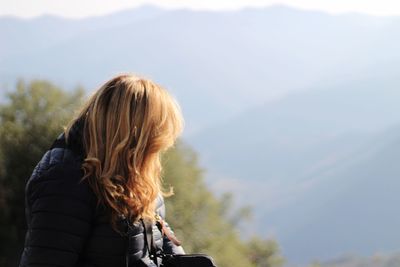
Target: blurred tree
[264,253]
[30,119]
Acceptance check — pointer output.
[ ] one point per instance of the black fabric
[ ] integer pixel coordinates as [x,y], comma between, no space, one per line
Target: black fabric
[66,227]
[189,260]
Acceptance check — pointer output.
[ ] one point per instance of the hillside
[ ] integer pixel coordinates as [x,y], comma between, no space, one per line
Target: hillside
[292,157]
[350,208]
[377,260]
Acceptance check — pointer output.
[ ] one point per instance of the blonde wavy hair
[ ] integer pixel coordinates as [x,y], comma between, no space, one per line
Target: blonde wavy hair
[127,124]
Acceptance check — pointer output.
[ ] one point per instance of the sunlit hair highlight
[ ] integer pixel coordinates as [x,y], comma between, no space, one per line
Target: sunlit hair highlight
[127,124]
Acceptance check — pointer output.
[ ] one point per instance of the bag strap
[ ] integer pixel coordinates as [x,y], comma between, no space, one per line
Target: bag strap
[150,244]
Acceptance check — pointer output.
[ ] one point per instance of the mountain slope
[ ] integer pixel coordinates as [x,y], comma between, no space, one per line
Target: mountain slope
[301,131]
[351,209]
[299,160]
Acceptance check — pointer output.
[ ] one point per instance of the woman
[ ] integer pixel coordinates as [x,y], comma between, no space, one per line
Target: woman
[100,178]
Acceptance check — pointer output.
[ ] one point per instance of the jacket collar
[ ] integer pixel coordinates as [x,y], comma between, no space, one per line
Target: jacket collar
[75,139]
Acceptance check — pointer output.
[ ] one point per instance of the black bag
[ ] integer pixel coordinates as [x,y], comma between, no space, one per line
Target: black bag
[186,260]
[173,260]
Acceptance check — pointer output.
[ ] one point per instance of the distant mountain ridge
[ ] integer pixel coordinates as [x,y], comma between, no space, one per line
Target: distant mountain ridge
[225,61]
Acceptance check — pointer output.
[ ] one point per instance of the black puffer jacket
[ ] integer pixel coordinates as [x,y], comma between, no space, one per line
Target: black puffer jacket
[65,225]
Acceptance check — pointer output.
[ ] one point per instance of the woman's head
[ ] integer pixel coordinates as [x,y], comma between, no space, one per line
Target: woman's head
[127,123]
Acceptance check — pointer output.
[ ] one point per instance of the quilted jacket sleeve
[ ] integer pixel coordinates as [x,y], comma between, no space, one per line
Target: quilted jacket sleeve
[60,211]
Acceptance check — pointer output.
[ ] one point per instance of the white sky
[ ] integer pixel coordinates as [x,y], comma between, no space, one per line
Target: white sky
[84,8]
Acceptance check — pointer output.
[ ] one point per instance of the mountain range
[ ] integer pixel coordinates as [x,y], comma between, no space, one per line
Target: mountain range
[295,111]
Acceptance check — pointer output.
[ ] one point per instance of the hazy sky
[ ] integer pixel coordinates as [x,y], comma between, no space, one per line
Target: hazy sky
[83,8]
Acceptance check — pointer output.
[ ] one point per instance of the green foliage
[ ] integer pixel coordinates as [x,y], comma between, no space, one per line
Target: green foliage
[30,119]
[264,253]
